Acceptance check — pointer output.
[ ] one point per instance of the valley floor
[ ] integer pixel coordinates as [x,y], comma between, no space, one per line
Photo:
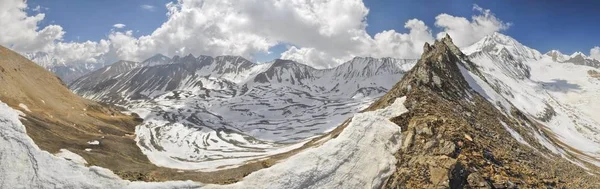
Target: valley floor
[359,155]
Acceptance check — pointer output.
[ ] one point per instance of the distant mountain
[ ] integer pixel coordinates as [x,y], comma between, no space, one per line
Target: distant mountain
[579,58]
[65,71]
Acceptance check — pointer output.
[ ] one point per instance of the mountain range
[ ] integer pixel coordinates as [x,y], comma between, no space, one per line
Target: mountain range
[496,114]
[229,103]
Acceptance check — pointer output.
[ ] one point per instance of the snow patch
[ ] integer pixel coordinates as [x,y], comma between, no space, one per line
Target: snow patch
[514,134]
[24,107]
[68,155]
[94,142]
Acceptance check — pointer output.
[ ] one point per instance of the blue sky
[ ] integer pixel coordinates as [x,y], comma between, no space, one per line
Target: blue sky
[543,25]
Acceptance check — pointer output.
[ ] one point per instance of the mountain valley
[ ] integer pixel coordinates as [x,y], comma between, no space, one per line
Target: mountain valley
[496,114]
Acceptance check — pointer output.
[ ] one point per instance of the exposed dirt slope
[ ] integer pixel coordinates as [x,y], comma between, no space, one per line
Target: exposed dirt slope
[455,138]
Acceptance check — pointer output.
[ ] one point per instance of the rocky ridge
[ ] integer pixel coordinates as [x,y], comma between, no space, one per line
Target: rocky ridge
[576,58]
[453,137]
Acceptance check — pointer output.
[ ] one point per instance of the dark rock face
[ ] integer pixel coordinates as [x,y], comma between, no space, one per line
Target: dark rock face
[139,80]
[278,72]
[454,138]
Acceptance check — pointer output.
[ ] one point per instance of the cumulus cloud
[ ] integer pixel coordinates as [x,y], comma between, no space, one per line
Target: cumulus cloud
[385,44]
[595,53]
[119,25]
[465,32]
[21,33]
[148,7]
[320,33]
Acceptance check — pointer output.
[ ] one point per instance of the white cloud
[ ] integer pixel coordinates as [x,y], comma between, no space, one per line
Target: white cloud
[21,33]
[595,53]
[119,25]
[148,7]
[465,32]
[37,8]
[320,33]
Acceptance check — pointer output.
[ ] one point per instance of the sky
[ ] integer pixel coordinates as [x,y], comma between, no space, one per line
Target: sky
[320,33]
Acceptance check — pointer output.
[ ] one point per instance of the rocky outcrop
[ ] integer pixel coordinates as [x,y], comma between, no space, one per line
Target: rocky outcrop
[594,74]
[580,59]
[454,138]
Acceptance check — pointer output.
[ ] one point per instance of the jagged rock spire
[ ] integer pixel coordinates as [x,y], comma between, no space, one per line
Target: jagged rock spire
[438,69]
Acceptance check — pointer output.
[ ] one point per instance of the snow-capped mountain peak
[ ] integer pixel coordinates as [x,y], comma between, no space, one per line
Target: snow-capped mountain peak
[576,54]
[498,43]
[503,49]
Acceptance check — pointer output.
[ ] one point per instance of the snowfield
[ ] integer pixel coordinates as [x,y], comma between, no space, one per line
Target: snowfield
[362,156]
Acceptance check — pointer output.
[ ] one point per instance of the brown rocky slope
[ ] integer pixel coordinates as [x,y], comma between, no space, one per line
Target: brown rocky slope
[453,137]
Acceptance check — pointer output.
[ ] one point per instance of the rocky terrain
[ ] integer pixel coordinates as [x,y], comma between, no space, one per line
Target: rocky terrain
[454,137]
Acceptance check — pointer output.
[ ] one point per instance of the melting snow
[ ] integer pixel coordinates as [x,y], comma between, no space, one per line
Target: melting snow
[94,142]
